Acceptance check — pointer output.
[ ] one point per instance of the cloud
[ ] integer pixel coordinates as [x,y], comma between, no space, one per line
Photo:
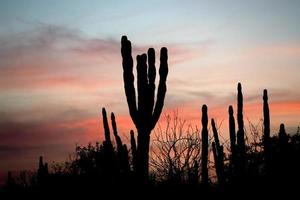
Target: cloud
[55,56]
[50,55]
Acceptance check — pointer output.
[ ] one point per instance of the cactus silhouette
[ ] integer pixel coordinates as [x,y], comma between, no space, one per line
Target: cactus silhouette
[115,132]
[283,137]
[240,132]
[266,137]
[109,157]
[42,171]
[232,136]
[284,156]
[121,156]
[204,152]
[107,138]
[146,112]
[122,151]
[218,153]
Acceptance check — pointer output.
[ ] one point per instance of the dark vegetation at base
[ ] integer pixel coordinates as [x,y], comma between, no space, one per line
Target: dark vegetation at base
[180,161]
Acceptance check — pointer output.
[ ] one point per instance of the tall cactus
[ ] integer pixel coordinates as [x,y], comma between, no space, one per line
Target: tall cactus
[266,138]
[232,136]
[145,113]
[218,153]
[204,151]
[240,133]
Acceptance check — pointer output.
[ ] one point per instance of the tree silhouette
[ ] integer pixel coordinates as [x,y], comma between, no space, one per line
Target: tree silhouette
[146,112]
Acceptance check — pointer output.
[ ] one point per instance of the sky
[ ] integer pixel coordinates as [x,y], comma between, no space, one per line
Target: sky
[60,63]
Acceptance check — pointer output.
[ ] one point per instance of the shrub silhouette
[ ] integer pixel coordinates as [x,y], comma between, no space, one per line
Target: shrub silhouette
[146,112]
[175,152]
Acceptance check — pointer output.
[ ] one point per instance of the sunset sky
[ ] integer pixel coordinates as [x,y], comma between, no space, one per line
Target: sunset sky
[60,63]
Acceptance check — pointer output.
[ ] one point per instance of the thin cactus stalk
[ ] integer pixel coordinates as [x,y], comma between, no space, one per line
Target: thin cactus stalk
[284,155]
[122,150]
[42,171]
[232,135]
[204,152]
[109,158]
[283,138]
[240,132]
[266,138]
[106,127]
[146,112]
[218,153]
[115,132]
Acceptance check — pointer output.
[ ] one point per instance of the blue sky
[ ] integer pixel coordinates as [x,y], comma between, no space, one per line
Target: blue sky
[171,20]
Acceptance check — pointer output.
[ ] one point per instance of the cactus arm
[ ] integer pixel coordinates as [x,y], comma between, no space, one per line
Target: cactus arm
[142,85]
[105,126]
[129,78]
[240,133]
[231,128]
[115,132]
[151,78]
[162,87]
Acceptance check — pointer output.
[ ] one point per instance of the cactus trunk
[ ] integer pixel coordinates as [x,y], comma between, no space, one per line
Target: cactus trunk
[266,138]
[204,151]
[142,159]
[240,132]
[218,153]
[232,136]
